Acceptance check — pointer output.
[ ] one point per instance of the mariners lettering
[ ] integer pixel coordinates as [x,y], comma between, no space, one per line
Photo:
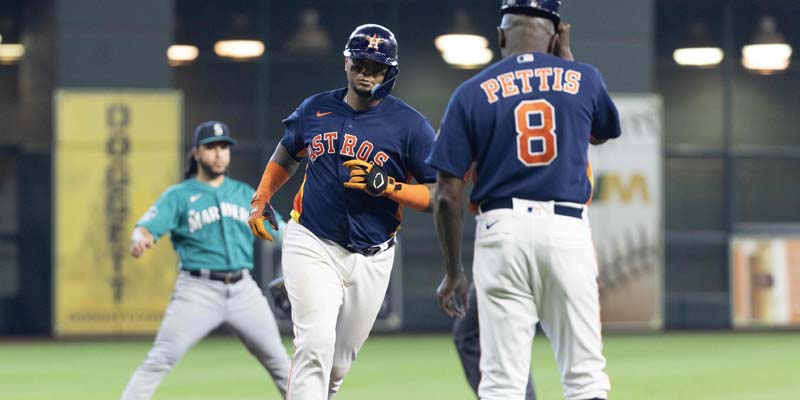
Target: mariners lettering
[199,219]
[546,79]
[351,147]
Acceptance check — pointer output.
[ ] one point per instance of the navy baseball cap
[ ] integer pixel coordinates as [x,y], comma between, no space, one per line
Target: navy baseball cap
[212,131]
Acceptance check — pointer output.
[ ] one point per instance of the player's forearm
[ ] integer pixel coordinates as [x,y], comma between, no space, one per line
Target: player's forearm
[419,197]
[278,171]
[595,141]
[449,220]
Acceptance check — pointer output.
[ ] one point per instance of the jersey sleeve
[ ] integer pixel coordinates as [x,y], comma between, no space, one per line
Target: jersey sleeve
[605,119]
[163,216]
[452,150]
[419,148]
[292,138]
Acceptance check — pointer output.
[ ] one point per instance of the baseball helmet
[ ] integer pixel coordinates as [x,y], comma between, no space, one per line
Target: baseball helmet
[535,8]
[376,43]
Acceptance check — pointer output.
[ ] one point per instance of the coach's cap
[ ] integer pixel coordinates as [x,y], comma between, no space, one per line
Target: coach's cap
[212,131]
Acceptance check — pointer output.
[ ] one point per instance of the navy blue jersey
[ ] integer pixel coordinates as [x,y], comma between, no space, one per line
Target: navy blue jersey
[328,132]
[525,121]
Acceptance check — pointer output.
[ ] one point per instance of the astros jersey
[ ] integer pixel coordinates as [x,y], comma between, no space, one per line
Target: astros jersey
[525,121]
[208,225]
[329,132]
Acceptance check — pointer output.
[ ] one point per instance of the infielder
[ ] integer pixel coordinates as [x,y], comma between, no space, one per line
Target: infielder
[206,216]
[527,121]
[362,148]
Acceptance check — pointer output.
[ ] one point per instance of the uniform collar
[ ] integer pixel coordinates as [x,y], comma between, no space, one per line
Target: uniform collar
[339,95]
[202,185]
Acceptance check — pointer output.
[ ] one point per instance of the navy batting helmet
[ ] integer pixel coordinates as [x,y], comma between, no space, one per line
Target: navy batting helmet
[536,8]
[376,43]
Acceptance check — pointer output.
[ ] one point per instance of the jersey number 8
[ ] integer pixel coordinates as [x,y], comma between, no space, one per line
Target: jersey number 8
[545,133]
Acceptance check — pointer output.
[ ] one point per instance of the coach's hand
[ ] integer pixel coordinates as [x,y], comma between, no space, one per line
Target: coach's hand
[452,295]
[261,212]
[370,178]
[562,48]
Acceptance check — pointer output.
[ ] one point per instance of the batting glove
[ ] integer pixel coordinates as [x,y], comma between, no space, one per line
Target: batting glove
[370,178]
[261,214]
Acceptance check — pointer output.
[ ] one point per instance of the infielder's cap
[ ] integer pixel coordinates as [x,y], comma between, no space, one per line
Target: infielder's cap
[212,131]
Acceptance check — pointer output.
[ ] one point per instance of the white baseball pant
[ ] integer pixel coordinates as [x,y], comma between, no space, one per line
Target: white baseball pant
[335,296]
[532,265]
[197,307]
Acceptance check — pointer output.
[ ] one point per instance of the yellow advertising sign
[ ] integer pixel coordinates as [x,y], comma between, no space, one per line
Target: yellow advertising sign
[116,151]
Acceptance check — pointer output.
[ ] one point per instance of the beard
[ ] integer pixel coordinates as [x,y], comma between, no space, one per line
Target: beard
[363,93]
[209,171]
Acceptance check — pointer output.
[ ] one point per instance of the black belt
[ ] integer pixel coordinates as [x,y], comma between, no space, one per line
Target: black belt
[372,250]
[566,211]
[222,276]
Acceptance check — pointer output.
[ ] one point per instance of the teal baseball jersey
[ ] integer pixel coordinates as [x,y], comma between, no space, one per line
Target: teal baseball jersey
[207,225]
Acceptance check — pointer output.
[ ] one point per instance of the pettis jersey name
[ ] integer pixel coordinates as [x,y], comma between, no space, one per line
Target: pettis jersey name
[522,81]
[197,219]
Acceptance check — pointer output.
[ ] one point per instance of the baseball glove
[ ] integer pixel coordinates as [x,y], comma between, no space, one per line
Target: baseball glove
[280,297]
[370,178]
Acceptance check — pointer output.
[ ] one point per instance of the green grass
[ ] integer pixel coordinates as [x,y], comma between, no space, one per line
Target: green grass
[671,366]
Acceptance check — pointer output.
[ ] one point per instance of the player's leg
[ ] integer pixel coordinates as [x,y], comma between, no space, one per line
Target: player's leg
[365,288]
[570,309]
[315,291]
[467,339]
[196,308]
[249,316]
[506,308]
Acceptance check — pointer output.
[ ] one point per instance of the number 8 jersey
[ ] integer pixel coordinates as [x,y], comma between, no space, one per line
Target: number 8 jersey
[526,121]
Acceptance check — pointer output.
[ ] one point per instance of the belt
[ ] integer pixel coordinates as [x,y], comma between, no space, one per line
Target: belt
[372,250]
[222,276]
[566,211]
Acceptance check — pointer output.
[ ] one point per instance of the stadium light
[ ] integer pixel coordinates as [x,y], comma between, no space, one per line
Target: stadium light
[181,54]
[10,53]
[699,50]
[769,53]
[464,48]
[240,50]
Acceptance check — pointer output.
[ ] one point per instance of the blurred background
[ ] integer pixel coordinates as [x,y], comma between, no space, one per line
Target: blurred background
[696,213]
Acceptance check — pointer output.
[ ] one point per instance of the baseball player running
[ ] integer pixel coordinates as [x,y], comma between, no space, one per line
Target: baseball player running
[527,121]
[206,216]
[362,148]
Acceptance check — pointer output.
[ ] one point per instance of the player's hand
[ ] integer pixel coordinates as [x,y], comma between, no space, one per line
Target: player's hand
[280,297]
[562,41]
[370,178]
[141,240]
[452,295]
[261,213]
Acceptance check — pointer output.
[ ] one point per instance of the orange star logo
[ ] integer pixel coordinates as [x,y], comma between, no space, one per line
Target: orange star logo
[375,41]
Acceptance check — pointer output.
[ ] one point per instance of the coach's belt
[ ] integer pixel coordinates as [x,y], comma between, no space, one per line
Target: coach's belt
[222,276]
[372,250]
[566,211]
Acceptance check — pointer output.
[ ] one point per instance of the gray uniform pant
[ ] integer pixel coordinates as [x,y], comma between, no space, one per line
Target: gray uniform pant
[198,306]
[468,344]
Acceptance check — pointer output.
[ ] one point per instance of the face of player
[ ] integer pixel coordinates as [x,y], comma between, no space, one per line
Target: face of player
[363,75]
[213,158]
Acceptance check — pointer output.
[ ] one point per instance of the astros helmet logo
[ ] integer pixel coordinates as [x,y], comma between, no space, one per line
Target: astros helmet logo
[374,41]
